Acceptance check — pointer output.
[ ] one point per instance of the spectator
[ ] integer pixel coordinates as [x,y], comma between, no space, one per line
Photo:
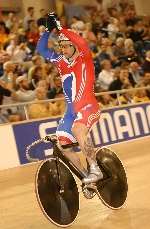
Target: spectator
[43,84]
[106,101]
[28,17]
[77,24]
[131,56]
[136,33]
[113,28]
[141,96]
[145,81]
[41,20]
[15,117]
[36,76]
[39,110]
[135,72]
[57,108]
[130,16]
[56,87]
[45,109]
[103,53]
[4,91]
[32,35]
[116,72]
[8,114]
[63,21]
[22,37]
[9,76]
[106,76]
[128,44]
[113,12]
[24,94]
[13,42]
[19,53]
[123,80]
[41,29]
[10,20]
[119,48]
[37,60]
[3,33]
[4,57]
[89,35]
[126,97]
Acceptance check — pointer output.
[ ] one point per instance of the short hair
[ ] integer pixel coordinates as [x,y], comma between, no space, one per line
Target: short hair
[104,62]
[30,8]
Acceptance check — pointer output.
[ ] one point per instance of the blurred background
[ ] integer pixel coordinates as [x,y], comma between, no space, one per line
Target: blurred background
[118,34]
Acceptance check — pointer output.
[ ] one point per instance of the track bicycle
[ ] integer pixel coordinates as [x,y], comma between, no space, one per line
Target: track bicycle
[56,187]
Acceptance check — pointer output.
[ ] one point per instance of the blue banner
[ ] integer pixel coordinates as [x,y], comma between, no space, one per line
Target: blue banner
[115,125]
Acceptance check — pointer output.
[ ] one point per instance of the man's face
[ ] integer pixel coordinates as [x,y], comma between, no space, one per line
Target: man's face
[31,12]
[134,66]
[24,84]
[124,74]
[41,93]
[67,48]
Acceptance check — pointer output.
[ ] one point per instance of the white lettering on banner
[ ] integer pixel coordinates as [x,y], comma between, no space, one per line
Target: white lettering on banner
[44,126]
[148,114]
[135,112]
[106,117]
[113,125]
[127,127]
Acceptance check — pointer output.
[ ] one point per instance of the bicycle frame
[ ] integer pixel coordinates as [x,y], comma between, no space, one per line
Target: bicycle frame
[59,155]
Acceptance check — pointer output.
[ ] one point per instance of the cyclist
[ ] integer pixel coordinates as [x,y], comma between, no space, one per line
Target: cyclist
[76,69]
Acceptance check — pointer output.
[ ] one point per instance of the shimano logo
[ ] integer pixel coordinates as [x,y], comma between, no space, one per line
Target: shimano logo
[117,125]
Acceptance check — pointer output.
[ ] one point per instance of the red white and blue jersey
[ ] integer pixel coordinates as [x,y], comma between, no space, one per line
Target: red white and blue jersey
[77,77]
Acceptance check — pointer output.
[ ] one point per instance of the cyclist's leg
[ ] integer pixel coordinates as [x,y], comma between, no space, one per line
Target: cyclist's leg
[85,119]
[65,136]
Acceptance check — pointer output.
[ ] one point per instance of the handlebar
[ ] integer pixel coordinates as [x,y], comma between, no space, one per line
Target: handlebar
[48,138]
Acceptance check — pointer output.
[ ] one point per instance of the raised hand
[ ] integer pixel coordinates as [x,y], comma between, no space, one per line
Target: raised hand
[54,20]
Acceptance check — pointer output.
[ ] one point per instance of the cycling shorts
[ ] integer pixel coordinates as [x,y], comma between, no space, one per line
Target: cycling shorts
[88,115]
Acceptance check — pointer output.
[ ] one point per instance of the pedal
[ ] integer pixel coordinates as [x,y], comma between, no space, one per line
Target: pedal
[89,191]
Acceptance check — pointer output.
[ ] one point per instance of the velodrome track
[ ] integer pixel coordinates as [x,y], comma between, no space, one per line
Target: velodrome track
[19,208]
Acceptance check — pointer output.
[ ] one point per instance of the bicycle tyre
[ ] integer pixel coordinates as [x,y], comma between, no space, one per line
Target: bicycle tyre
[61,208]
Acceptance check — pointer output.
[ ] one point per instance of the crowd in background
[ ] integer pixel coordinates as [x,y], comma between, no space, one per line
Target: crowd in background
[119,41]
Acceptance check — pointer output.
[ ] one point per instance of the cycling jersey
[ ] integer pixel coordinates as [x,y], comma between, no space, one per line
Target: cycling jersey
[77,81]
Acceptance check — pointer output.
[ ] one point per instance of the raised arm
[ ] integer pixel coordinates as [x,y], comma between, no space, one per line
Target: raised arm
[42,48]
[77,40]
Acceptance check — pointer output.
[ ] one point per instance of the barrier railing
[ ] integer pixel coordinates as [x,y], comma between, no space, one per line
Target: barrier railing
[25,104]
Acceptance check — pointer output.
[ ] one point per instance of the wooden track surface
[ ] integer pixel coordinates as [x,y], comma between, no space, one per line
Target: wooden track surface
[19,208]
